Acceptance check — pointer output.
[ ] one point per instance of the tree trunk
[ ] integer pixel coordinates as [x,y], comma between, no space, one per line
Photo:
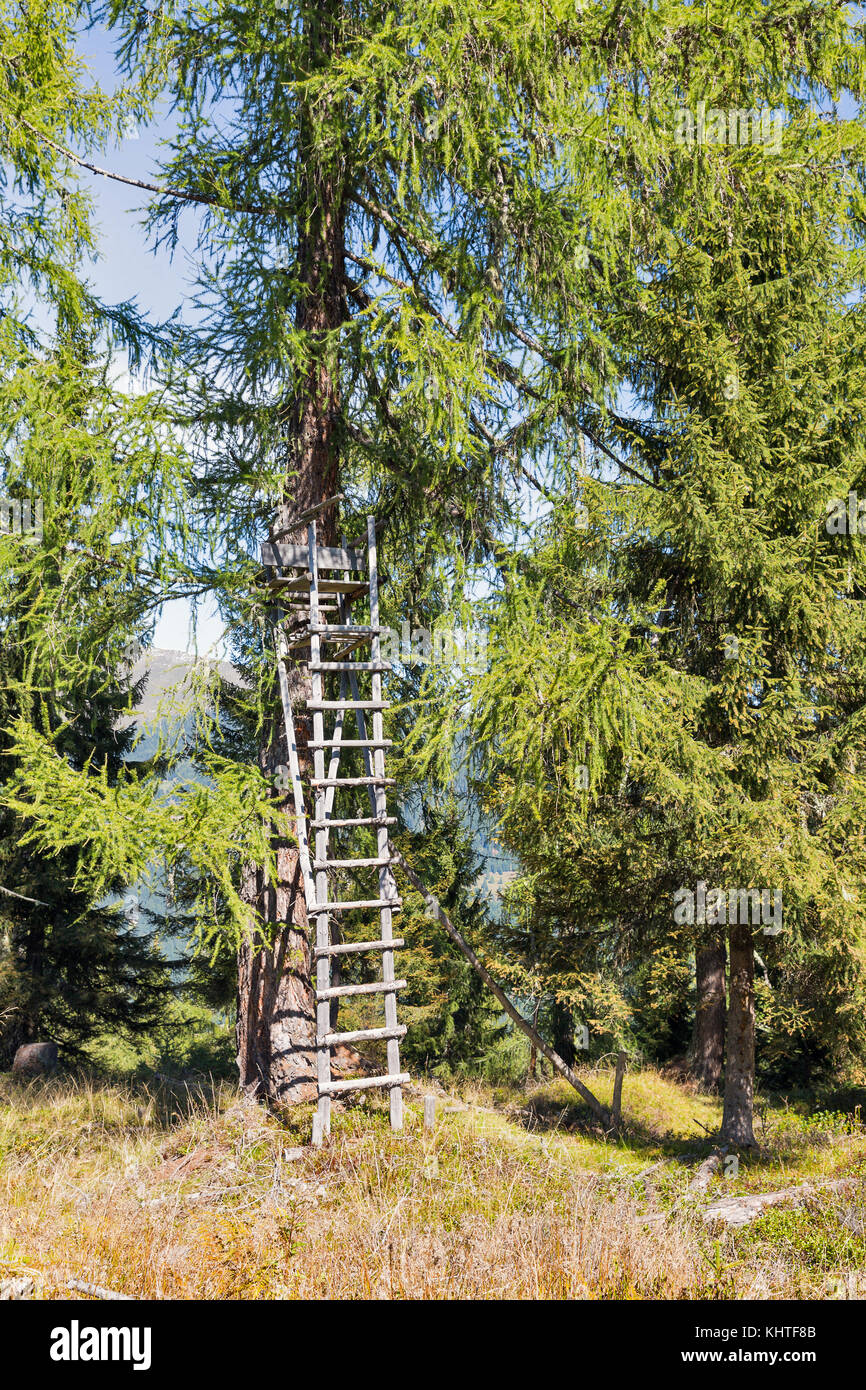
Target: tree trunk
[740,1050]
[562,1023]
[708,1038]
[276,999]
[533,1050]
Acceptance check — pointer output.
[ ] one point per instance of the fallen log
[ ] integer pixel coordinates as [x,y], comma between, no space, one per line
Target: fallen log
[97,1291]
[739,1211]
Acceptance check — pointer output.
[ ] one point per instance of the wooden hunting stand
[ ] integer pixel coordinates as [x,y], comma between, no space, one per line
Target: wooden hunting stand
[316,588]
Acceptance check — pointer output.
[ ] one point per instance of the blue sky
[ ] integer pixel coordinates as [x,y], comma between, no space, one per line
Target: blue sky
[127,269]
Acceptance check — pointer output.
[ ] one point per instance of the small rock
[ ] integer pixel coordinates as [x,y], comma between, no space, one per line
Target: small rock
[292,1155]
[35,1059]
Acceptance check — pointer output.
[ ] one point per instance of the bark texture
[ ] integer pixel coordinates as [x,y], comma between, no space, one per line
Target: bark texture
[740,1041]
[708,1038]
[276,1001]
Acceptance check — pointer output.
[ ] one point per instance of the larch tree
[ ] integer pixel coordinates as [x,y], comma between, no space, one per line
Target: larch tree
[384,232]
[87,480]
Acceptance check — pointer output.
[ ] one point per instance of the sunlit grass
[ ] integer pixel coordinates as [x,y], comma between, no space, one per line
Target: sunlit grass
[180,1191]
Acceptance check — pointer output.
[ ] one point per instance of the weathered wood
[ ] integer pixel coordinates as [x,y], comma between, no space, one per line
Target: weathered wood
[600,1111]
[429,1112]
[363,1035]
[356,820]
[365,1083]
[346,948]
[352,666]
[739,1211]
[346,630]
[354,743]
[346,704]
[323,967]
[350,863]
[298,585]
[701,1179]
[297,556]
[387,888]
[376,987]
[359,902]
[352,781]
[97,1291]
[324,785]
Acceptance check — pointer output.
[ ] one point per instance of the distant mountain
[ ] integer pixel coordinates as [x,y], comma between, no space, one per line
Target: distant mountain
[167,670]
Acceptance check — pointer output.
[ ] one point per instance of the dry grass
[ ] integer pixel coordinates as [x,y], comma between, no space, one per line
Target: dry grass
[188,1192]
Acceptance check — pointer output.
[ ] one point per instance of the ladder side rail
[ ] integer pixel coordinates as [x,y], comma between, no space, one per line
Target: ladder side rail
[386,879]
[297,785]
[301,827]
[323,965]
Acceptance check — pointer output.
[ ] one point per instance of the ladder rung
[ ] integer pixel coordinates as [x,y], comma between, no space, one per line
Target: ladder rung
[351,743]
[347,948]
[347,907]
[347,704]
[353,782]
[302,610]
[361,1035]
[357,820]
[363,1083]
[359,666]
[351,863]
[378,987]
[300,584]
[346,630]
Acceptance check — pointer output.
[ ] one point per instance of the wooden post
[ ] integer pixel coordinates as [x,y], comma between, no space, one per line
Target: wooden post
[387,887]
[429,1112]
[616,1108]
[323,962]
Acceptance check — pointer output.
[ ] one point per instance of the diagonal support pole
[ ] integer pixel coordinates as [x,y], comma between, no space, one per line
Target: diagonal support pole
[437,910]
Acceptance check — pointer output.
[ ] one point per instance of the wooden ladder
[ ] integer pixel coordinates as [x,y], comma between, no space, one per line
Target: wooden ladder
[314,611]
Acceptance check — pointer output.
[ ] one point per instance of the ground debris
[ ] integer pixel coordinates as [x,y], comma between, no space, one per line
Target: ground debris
[21,1287]
[739,1211]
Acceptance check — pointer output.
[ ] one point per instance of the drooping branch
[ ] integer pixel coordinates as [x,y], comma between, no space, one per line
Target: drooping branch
[22,897]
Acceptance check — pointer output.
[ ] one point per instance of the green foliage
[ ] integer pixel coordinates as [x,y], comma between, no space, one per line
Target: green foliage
[453,1023]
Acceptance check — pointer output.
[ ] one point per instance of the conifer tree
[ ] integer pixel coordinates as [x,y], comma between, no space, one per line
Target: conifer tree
[703,641]
[84,481]
[381,242]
